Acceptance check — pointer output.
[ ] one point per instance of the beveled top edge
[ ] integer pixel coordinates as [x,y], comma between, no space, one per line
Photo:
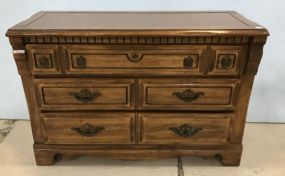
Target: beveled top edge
[250,28]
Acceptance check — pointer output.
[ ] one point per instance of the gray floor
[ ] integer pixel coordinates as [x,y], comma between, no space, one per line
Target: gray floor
[264,155]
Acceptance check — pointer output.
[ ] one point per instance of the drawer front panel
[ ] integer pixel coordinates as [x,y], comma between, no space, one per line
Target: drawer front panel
[89,128]
[186,94]
[134,59]
[43,59]
[90,94]
[185,128]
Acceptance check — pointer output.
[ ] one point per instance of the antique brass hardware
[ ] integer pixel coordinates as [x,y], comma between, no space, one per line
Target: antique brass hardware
[135,57]
[185,130]
[85,95]
[188,62]
[188,95]
[81,61]
[88,130]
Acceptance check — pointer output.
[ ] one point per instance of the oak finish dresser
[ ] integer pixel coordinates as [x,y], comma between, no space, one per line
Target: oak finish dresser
[137,85]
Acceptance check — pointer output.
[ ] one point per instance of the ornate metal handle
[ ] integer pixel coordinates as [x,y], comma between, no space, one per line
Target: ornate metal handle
[81,61]
[188,62]
[188,95]
[88,130]
[44,62]
[226,62]
[85,95]
[135,57]
[185,130]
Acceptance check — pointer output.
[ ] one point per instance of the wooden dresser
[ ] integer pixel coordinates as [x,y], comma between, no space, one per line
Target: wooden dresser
[137,85]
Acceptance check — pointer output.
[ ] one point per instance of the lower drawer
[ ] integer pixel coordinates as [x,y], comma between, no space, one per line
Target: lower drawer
[184,128]
[89,128]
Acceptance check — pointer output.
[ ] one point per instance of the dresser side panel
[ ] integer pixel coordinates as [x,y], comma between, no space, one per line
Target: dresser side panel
[21,61]
[35,120]
[253,59]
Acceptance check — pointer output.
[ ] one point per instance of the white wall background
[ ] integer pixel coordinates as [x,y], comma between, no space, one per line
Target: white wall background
[267,103]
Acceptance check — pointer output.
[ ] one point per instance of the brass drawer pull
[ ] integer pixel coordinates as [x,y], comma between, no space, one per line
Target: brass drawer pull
[85,95]
[188,62]
[188,95]
[81,61]
[185,130]
[88,130]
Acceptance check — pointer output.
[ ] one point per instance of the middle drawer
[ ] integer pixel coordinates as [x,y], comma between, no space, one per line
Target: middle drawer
[121,94]
[85,94]
[188,94]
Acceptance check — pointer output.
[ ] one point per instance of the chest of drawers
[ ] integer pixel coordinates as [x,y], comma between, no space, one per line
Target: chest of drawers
[137,85]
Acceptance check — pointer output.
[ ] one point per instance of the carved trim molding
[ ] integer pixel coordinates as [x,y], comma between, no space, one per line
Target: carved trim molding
[139,40]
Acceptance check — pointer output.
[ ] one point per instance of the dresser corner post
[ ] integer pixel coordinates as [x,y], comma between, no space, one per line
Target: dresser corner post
[247,78]
[254,55]
[239,120]
[35,119]
[17,43]
[21,60]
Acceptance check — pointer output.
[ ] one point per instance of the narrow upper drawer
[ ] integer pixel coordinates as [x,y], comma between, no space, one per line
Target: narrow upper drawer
[89,128]
[160,60]
[188,94]
[85,94]
[184,128]
[142,60]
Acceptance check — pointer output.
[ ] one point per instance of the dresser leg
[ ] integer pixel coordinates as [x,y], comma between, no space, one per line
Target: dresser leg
[231,158]
[44,157]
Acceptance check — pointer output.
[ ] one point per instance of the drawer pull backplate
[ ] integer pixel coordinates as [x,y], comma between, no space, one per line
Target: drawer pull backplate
[188,95]
[185,130]
[85,95]
[88,130]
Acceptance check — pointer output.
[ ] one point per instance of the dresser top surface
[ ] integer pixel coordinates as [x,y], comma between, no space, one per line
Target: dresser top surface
[144,23]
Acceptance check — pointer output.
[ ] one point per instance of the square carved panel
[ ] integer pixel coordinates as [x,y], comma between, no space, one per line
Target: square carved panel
[226,60]
[43,59]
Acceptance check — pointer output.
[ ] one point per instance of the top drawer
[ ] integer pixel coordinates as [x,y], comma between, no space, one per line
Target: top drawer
[159,60]
[141,60]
